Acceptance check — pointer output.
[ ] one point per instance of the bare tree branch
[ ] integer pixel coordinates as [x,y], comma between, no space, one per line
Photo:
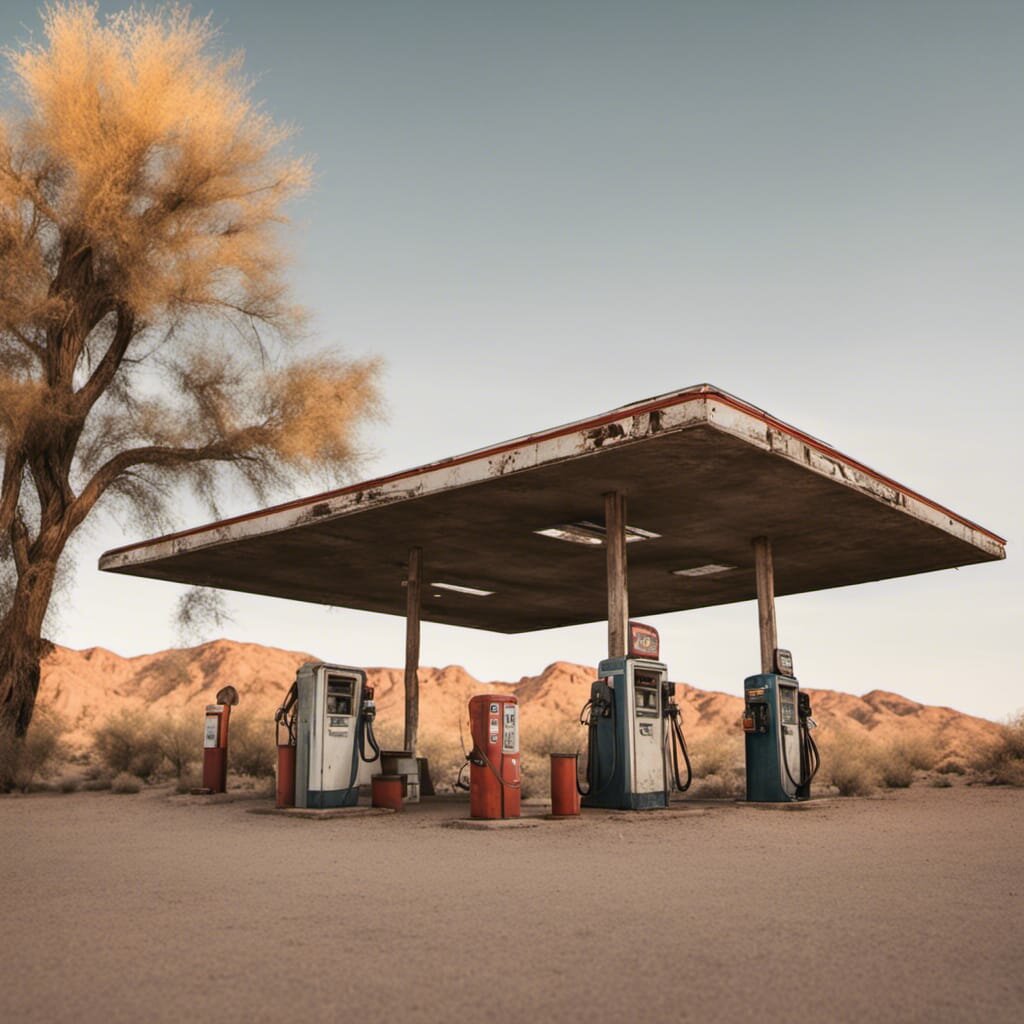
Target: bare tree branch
[108,366]
[26,342]
[20,543]
[223,450]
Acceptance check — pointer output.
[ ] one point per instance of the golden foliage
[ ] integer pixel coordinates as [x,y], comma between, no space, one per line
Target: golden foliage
[146,333]
[144,140]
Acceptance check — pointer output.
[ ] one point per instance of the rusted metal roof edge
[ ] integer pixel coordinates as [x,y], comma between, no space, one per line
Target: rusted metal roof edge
[664,413]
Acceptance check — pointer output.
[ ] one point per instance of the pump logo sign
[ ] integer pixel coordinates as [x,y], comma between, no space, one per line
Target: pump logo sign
[643,641]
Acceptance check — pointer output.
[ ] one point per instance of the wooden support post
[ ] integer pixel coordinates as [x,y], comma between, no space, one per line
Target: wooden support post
[765,571]
[413,586]
[618,585]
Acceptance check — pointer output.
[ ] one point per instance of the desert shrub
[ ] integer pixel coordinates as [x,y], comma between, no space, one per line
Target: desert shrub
[252,744]
[895,772]
[919,750]
[188,780]
[728,786]
[125,782]
[69,784]
[444,752]
[951,766]
[941,782]
[719,753]
[97,783]
[127,742]
[390,735]
[25,762]
[180,739]
[1003,761]
[849,762]
[536,748]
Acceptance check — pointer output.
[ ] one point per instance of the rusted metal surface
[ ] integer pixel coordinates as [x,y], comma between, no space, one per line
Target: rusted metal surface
[701,468]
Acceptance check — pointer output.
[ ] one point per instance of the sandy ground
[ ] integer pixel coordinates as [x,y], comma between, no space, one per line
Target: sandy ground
[162,908]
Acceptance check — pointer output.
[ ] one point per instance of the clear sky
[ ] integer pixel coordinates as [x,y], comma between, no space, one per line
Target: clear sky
[539,211]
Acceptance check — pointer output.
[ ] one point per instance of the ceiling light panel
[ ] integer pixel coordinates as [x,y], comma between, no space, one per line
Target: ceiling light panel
[711,569]
[456,588]
[593,534]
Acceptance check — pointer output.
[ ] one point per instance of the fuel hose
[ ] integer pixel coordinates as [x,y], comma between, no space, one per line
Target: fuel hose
[594,709]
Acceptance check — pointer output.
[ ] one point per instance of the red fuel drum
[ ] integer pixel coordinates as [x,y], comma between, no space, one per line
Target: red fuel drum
[494,762]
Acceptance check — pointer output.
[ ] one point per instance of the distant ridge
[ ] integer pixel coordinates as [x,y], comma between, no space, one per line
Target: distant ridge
[86,686]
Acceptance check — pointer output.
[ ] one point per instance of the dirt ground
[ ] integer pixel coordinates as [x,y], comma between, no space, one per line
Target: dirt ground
[153,907]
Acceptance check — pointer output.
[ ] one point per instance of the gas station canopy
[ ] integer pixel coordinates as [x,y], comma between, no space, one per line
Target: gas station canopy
[512,535]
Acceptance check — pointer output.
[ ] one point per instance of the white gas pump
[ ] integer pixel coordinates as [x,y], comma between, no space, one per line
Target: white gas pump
[329,711]
[635,739]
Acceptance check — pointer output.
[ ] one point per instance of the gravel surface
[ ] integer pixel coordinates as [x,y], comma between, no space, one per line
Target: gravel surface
[155,907]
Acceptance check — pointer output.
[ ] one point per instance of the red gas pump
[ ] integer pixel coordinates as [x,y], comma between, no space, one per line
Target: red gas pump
[494,761]
[215,748]
[215,740]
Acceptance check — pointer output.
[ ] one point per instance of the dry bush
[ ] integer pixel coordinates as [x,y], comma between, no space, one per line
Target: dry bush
[719,753]
[25,761]
[187,781]
[941,782]
[390,735]
[252,744]
[536,747]
[919,750]
[1003,761]
[180,739]
[730,785]
[125,782]
[895,771]
[69,784]
[445,754]
[850,763]
[127,742]
[899,759]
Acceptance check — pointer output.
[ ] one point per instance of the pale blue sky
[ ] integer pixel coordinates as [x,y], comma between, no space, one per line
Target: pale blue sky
[539,211]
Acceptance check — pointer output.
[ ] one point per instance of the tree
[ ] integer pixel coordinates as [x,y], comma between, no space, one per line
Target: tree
[147,339]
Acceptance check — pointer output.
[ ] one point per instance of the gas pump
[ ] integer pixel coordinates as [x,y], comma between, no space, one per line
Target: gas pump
[634,732]
[328,717]
[782,757]
[215,741]
[494,770]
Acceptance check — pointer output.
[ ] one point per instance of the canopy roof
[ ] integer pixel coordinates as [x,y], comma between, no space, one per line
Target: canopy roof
[701,469]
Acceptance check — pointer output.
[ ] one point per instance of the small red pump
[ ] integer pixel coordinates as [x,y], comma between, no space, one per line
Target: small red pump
[215,740]
[494,779]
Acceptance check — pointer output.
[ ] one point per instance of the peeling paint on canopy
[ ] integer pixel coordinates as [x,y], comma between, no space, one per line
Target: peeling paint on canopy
[700,467]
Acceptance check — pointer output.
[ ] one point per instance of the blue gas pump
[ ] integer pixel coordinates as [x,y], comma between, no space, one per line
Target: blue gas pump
[634,734]
[781,755]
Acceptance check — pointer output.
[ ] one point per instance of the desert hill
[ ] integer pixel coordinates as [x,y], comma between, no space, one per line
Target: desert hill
[84,687]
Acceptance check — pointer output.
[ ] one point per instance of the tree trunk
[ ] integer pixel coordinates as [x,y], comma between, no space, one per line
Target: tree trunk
[22,648]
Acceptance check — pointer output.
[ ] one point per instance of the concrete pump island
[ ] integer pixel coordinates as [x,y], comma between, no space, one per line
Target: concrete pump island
[687,500]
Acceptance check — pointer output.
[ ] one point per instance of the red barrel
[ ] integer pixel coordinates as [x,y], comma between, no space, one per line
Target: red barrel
[565,797]
[494,763]
[386,791]
[215,748]
[285,775]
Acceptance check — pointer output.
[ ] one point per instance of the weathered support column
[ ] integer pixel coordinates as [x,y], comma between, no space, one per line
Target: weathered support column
[618,586]
[765,571]
[413,587]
